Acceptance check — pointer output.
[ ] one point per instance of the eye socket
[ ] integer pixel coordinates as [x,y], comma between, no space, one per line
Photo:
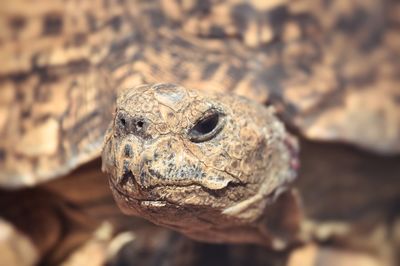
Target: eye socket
[206,128]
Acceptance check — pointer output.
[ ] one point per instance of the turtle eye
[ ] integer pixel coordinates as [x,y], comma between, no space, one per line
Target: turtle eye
[206,128]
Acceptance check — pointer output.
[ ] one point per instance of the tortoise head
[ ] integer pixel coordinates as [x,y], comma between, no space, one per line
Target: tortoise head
[203,164]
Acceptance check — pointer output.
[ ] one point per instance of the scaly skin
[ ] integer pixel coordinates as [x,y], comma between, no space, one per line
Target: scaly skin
[212,183]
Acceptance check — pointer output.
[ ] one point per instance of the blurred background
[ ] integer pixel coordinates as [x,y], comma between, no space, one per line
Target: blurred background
[330,68]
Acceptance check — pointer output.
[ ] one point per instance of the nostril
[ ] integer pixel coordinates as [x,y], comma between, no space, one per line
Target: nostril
[123,121]
[139,124]
[126,124]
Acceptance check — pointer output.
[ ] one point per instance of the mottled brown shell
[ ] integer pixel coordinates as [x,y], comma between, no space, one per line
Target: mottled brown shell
[331,69]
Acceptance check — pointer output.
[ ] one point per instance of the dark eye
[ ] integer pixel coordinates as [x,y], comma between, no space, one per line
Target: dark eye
[206,128]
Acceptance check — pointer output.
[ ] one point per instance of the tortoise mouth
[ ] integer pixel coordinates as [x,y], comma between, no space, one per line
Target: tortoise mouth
[149,194]
[132,196]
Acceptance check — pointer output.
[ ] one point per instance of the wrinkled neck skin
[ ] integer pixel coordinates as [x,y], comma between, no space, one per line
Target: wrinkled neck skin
[215,167]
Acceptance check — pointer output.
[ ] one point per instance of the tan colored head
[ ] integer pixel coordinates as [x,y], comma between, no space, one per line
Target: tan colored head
[203,164]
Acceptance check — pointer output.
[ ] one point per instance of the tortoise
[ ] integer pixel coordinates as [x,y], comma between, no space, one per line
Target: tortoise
[321,64]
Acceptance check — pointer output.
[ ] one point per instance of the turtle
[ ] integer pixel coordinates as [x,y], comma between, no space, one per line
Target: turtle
[321,64]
